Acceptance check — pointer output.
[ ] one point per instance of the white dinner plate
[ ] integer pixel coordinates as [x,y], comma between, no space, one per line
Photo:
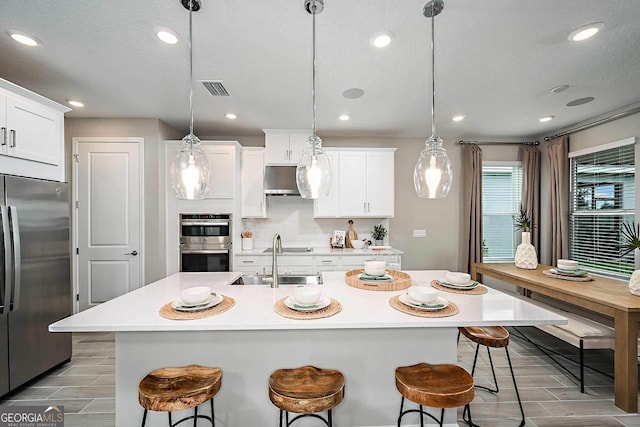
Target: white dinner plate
[471,285]
[439,304]
[293,304]
[213,300]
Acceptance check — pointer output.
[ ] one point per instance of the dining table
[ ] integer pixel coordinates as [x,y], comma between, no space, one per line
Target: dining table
[602,295]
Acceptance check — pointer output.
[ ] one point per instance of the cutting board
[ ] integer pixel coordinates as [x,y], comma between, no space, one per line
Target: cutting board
[351,235]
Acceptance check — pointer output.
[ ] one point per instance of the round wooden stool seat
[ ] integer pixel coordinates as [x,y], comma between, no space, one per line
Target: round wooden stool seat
[174,389]
[489,336]
[306,390]
[436,386]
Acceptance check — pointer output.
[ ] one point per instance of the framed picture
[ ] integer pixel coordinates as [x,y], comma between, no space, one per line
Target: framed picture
[338,238]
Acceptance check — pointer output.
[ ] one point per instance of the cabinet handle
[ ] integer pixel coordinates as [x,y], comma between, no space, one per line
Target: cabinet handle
[261,211]
[368,207]
[247,262]
[4,136]
[326,261]
[364,206]
[12,137]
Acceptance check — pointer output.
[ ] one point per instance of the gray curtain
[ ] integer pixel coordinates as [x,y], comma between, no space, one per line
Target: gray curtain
[558,230]
[472,204]
[531,189]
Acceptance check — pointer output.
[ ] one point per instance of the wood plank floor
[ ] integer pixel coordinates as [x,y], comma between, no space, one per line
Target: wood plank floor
[86,386]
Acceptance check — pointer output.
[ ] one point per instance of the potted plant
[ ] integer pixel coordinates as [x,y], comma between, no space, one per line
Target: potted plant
[378,234]
[630,241]
[526,256]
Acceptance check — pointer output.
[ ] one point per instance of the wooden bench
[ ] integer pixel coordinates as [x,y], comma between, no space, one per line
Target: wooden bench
[580,332]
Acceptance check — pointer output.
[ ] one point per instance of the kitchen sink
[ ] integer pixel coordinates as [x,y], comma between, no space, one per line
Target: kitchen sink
[290,250]
[304,279]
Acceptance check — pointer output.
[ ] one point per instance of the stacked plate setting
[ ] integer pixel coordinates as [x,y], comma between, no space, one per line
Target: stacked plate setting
[567,267]
[423,298]
[307,298]
[460,281]
[374,271]
[211,301]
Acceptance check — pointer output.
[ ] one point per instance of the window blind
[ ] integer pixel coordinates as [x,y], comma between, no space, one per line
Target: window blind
[501,194]
[602,198]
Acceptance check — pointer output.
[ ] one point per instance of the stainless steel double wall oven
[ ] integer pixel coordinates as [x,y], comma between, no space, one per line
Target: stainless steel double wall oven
[205,242]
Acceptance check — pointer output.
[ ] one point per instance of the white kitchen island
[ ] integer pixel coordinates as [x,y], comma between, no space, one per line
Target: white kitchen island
[367,340]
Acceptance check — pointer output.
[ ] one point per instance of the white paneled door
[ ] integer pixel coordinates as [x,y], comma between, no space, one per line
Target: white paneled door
[107,175]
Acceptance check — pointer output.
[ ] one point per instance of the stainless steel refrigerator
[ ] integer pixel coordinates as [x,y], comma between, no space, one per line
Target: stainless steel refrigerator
[35,284]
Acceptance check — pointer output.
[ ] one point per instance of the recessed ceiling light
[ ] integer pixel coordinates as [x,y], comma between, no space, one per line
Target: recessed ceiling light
[75,103]
[382,39]
[458,118]
[559,89]
[353,93]
[585,32]
[545,119]
[344,117]
[580,101]
[167,35]
[24,38]
[231,116]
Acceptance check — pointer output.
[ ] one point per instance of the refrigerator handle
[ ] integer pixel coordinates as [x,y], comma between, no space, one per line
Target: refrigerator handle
[5,273]
[15,239]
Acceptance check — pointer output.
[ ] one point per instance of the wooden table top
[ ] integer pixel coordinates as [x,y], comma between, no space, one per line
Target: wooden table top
[610,293]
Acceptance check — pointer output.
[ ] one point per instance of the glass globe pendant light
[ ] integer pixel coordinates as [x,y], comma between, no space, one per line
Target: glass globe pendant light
[432,176]
[313,173]
[190,168]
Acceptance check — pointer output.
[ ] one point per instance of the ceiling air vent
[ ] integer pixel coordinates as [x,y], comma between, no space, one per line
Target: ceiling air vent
[215,87]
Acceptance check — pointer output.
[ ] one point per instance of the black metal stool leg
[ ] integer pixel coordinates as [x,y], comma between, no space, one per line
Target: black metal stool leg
[330,420]
[170,422]
[213,415]
[515,386]
[467,410]
[493,371]
[581,366]
[442,415]
[421,417]
[195,416]
[401,407]
[286,417]
[280,424]
[144,418]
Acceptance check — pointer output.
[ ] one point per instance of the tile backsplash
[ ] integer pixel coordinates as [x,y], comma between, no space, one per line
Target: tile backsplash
[292,217]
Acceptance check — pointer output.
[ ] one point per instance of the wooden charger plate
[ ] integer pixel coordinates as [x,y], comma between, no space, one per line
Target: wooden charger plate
[399,281]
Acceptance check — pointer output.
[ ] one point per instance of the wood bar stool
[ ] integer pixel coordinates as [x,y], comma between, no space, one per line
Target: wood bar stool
[492,337]
[306,391]
[175,389]
[436,386]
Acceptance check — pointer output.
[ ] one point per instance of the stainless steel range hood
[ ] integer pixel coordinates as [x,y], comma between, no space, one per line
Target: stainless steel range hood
[280,180]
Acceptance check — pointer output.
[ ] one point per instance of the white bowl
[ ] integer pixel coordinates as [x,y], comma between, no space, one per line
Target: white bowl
[423,294]
[375,268]
[567,264]
[357,244]
[195,295]
[457,278]
[307,294]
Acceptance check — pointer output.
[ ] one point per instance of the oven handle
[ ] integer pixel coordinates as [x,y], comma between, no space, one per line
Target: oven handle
[205,251]
[205,224]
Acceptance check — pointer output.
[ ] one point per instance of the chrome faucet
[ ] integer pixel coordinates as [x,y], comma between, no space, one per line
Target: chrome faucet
[277,250]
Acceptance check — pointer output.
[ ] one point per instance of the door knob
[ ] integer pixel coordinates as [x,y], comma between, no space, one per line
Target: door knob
[134,253]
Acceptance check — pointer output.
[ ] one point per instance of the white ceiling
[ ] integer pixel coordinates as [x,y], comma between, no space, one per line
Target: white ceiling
[495,63]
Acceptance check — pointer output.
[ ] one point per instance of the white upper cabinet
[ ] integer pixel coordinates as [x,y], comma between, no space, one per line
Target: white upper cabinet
[329,207]
[252,183]
[284,146]
[362,186]
[222,164]
[31,134]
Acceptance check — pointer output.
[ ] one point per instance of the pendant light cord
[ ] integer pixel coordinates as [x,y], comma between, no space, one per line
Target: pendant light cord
[313,85]
[191,66]
[433,76]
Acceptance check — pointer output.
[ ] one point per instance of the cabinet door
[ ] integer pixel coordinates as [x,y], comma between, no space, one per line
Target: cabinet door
[380,187]
[277,148]
[298,141]
[222,166]
[353,184]
[4,132]
[35,132]
[330,205]
[252,183]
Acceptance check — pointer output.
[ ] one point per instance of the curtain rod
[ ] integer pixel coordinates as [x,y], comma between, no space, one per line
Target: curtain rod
[531,143]
[594,123]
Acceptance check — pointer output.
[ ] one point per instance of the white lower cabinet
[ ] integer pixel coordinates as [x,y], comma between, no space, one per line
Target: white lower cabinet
[249,264]
[326,263]
[307,264]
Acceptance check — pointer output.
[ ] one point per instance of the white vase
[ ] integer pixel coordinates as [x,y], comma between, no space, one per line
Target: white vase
[526,256]
[634,283]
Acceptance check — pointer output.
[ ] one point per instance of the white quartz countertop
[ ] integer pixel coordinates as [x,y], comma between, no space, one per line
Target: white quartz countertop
[324,251]
[138,310]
